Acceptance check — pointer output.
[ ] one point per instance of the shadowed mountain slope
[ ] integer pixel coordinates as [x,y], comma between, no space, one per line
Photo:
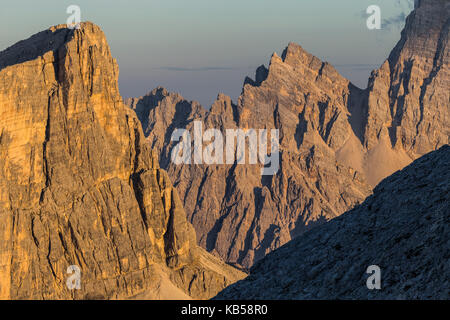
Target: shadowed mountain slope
[403,228]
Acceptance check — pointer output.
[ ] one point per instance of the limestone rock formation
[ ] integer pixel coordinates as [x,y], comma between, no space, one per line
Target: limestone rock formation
[408,97]
[336,140]
[403,228]
[79,185]
[237,213]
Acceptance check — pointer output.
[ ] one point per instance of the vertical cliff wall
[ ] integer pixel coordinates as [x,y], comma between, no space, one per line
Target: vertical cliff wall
[80,186]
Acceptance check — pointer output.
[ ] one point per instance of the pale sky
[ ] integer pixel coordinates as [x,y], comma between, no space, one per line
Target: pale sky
[202,47]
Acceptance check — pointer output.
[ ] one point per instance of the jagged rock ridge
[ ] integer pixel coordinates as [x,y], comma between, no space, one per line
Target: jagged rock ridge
[80,186]
[336,141]
[403,228]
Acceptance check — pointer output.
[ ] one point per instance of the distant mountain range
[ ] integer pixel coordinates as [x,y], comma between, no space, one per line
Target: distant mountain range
[336,140]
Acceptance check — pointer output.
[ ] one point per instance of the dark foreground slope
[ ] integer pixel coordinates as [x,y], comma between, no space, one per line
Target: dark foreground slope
[403,228]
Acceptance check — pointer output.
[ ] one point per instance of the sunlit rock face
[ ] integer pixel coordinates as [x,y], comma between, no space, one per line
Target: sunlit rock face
[80,186]
[408,98]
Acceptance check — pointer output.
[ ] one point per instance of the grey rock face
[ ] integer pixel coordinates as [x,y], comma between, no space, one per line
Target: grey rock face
[404,228]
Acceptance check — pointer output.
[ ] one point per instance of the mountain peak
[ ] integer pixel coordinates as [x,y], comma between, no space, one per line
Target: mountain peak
[410,100]
[87,187]
[50,40]
[295,55]
[425,28]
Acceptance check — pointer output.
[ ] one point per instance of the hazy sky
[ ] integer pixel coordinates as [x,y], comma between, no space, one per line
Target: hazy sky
[202,47]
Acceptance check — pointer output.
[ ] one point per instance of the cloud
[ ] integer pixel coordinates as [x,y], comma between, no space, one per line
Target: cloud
[398,21]
[357,66]
[395,22]
[196,69]
[407,4]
